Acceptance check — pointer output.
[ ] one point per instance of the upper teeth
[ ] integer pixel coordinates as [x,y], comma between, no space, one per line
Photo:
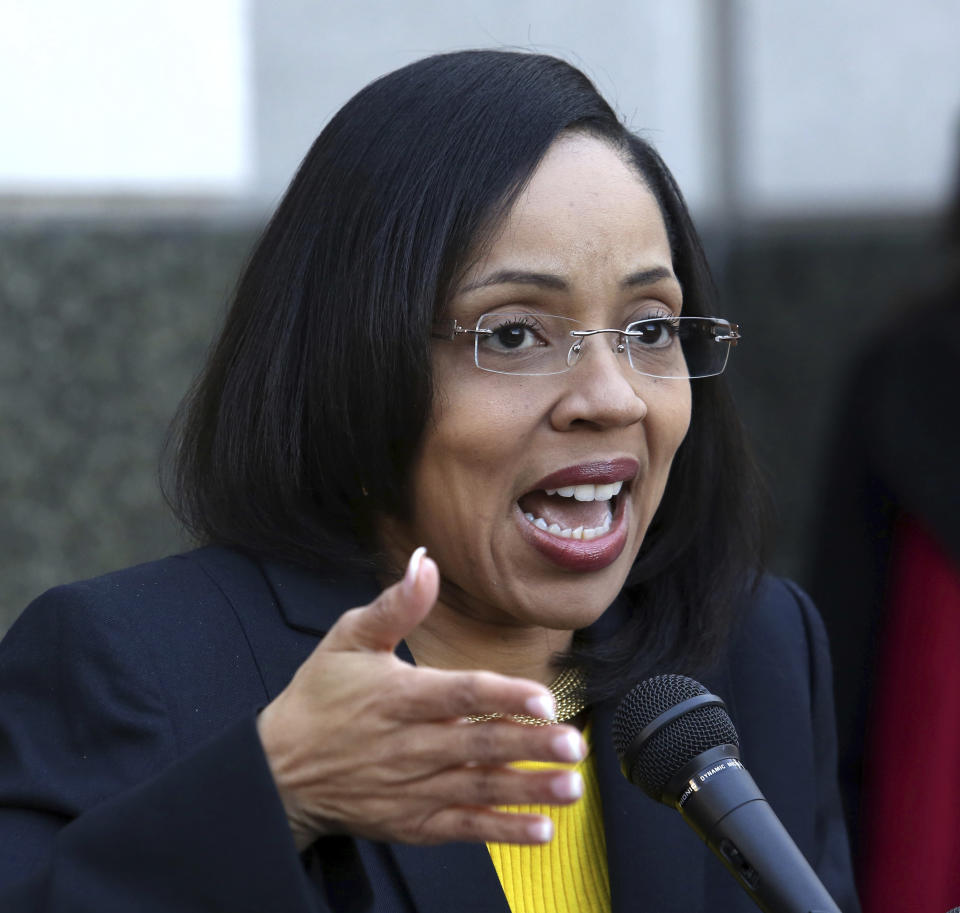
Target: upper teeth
[588,492]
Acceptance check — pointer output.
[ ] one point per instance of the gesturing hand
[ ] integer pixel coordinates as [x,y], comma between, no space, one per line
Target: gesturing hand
[363,743]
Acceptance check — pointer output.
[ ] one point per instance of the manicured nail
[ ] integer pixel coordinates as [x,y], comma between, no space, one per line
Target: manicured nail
[413,569]
[542,707]
[567,786]
[541,831]
[569,747]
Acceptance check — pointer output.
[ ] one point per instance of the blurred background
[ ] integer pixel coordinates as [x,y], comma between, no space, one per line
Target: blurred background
[144,145]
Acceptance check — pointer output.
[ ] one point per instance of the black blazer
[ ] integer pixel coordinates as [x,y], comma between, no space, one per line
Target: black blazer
[132,778]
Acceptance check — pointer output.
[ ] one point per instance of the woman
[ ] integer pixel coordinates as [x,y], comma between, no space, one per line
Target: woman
[402,369]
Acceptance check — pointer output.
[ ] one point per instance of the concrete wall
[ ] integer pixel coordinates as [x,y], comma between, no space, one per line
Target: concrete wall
[104,326]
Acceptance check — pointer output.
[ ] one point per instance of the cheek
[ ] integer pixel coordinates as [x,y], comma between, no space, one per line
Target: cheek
[477,425]
[666,427]
[668,420]
[681,417]
[463,474]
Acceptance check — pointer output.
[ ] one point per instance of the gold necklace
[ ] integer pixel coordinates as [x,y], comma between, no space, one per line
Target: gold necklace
[567,691]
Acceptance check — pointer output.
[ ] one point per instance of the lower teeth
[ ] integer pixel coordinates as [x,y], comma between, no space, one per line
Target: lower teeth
[578,533]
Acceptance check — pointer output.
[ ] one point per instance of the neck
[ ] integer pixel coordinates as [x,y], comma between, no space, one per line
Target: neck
[449,639]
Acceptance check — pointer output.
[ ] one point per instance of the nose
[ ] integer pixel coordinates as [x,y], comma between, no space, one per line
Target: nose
[601,390]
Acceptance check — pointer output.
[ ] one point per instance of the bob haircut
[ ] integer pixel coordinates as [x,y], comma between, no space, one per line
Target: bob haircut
[302,428]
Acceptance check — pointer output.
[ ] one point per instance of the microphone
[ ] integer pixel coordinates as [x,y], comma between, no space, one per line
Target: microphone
[676,742]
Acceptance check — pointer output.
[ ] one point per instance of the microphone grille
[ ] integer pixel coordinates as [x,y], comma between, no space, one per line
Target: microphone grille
[653,763]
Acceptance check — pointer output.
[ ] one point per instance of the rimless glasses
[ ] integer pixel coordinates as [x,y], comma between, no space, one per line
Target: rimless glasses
[535,344]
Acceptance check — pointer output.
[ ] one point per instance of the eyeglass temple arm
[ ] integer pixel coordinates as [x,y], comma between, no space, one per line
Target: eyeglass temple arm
[733,336]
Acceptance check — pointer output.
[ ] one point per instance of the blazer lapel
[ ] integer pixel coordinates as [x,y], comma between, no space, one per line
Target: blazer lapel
[309,602]
[261,597]
[655,861]
[451,876]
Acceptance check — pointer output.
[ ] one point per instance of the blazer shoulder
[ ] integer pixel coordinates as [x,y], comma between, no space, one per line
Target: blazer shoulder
[163,635]
[777,594]
[780,611]
[779,651]
[142,593]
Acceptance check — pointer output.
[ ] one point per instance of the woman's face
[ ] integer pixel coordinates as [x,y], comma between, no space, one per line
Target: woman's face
[585,240]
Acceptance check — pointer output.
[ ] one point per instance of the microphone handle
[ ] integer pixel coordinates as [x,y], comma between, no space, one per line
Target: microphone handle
[724,805]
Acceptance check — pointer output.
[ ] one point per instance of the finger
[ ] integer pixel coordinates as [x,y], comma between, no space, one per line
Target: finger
[503,742]
[429,749]
[496,786]
[441,694]
[484,825]
[382,624]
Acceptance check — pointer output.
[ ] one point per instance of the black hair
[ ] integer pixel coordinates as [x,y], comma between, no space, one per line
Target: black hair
[302,429]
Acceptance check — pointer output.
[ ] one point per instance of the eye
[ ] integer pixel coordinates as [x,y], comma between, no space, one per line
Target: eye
[514,333]
[657,332]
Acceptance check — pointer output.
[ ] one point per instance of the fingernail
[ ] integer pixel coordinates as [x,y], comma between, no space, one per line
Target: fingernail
[541,831]
[542,707]
[569,747]
[567,786]
[413,568]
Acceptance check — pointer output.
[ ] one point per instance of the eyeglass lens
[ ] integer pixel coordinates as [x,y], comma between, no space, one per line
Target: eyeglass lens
[536,344]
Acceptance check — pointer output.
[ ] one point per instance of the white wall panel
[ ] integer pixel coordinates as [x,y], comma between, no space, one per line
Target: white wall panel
[133,96]
[848,103]
[645,58]
[836,104]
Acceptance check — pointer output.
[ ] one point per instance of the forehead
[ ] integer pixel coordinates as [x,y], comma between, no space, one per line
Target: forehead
[585,209]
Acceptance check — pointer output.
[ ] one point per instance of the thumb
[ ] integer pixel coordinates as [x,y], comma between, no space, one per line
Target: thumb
[382,624]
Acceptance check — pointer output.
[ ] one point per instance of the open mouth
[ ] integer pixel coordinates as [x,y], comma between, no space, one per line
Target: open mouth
[581,512]
[579,517]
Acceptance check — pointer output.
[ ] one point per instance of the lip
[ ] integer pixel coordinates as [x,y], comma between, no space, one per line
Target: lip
[597,472]
[576,554]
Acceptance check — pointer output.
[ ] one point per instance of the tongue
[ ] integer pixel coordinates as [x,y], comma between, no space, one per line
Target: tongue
[567,513]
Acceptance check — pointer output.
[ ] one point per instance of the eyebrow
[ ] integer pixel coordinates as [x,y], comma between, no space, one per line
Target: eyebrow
[647,277]
[518,277]
[556,283]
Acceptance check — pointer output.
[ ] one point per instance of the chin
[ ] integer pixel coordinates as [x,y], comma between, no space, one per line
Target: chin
[573,603]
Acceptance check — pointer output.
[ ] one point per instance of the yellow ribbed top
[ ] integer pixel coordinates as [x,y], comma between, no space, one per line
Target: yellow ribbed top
[568,874]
